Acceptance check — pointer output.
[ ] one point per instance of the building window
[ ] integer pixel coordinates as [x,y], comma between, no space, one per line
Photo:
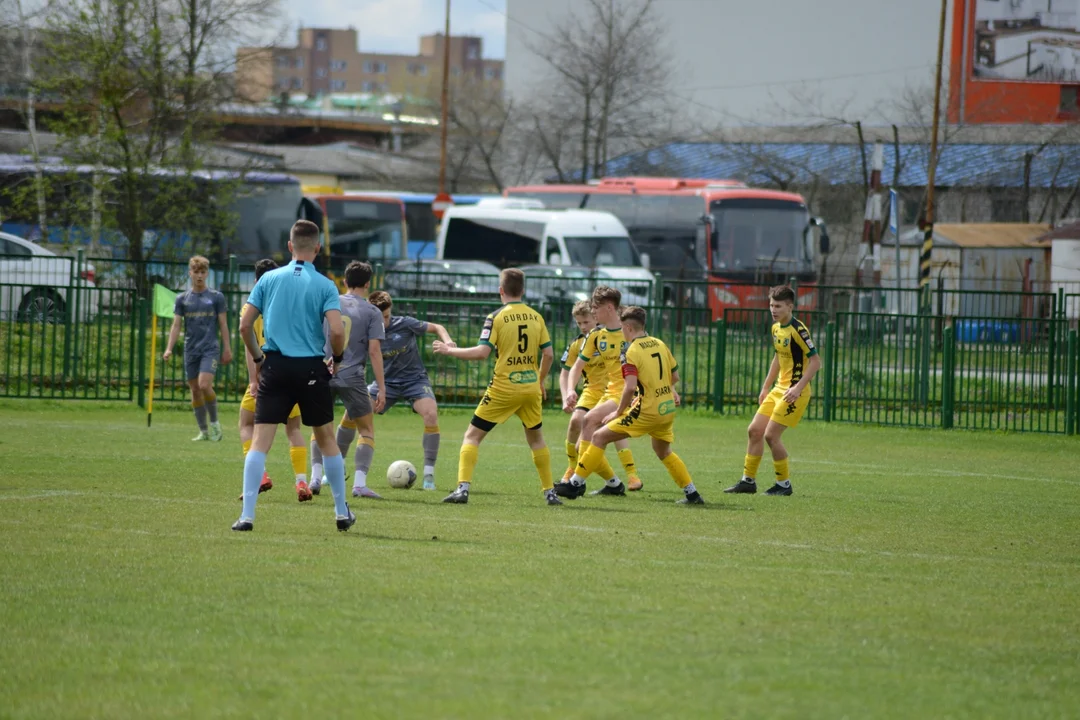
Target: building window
[417,69]
[298,62]
[491,73]
[283,61]
[337,65]
[297,83]
[320,72]
[337,85]
[374,67]
[320,43]
[473,52]
[1006,206]
[372,86]
[1067,103]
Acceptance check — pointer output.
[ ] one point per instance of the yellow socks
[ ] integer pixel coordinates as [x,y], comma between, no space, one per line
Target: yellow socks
[542,461]
[782,471]
[298,458]
[467,460]
[600,464]
[627,459]
[589,459]
[677,469]
[571,455]
[750,466]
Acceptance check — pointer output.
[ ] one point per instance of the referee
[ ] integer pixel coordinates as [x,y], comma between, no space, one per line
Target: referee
[290,368]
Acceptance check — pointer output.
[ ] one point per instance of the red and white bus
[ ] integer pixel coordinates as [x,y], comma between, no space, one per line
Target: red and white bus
[715,242]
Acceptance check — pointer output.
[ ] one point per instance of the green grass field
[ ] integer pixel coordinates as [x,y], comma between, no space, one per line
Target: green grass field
[913,574]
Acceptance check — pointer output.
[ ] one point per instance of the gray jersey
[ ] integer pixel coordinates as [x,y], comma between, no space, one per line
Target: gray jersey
[363,322]
[200,313]
[401,356]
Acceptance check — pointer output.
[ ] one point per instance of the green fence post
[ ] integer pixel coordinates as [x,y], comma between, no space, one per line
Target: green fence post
[830,369]
[1051,359]
[69,325]
[948,377]
[140,312]
[658,290]
[76,330]
[380,277]
[718,366]
[1070,387]
[793,282]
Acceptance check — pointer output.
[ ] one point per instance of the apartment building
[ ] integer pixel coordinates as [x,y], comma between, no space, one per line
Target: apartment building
[327,60]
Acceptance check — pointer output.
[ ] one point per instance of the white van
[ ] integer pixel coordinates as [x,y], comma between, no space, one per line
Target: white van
[515,236]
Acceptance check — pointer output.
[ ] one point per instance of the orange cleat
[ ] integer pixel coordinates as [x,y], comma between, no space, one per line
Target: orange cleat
[265,485]
[633,483]
[303,494]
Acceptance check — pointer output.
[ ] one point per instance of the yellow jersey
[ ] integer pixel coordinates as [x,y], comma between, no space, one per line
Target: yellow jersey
[650,360]
[518,334]
[607,345]
[595,373]
[260,337]
[793,348]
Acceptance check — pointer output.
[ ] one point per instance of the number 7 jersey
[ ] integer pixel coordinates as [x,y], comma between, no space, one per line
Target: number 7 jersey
[650,360]
[518,334]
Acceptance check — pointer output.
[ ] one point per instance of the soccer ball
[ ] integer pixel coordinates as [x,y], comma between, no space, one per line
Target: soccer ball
[401,474]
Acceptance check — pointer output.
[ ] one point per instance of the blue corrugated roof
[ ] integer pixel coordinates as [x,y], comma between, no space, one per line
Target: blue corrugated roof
[772,164]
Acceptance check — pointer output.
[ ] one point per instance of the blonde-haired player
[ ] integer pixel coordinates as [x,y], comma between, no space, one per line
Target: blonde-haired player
[606,342]
[595,378]
[646,407]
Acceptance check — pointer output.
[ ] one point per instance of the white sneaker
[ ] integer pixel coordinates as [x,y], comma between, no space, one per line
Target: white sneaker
[200,437]
[215,432]
[365,492]
[429,482]
[315,486]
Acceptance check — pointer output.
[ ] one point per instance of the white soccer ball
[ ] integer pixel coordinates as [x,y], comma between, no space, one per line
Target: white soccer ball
[401,474]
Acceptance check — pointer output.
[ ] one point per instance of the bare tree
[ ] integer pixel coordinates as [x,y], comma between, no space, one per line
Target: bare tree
[612,69]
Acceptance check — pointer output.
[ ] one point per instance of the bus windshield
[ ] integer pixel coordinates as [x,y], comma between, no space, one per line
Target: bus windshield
[759,236]
[602,251]
[364,229]
[266,213]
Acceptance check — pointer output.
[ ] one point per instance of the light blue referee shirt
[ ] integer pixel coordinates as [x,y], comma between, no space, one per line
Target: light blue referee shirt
[293,300]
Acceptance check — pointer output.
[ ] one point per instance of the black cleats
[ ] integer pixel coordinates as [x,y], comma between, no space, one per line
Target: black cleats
[570,491]
[344,523]
[458,497]
[749,488]
[552,498]
[693,499]
[779,489]
[619,489]
[243,525]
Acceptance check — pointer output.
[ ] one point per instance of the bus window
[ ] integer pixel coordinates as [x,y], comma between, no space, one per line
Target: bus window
[502,242]
[623,207]
[364,230]
[421,221]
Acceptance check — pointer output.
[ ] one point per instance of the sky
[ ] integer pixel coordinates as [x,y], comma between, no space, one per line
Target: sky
[395,26]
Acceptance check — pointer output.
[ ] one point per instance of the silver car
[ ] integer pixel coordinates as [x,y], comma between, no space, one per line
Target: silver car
[36,284]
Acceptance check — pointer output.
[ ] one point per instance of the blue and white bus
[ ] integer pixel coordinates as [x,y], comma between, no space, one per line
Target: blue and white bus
[420,222]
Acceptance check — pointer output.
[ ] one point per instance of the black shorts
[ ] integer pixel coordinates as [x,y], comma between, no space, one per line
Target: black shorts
[288,381]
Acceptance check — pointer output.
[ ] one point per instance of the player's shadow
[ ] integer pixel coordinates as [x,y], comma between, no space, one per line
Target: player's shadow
[428,539]
[598,508]
[712,505]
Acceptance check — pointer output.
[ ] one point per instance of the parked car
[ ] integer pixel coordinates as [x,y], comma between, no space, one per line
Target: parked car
[570,283]
[457,279]
[35,283]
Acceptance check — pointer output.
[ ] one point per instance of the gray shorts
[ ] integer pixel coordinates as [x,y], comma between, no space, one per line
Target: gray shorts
[195,364]
[355,398]
[409,391]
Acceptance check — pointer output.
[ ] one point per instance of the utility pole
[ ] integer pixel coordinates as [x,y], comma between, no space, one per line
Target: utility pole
[446,102]
[928,235]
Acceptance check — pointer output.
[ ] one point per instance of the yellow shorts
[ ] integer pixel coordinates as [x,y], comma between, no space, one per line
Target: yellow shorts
[779,411]
[635,424]
[612,395]
[496,409]
[248,403]
[590,398]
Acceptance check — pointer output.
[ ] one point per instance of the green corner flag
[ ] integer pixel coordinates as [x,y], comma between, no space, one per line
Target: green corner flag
[164,301]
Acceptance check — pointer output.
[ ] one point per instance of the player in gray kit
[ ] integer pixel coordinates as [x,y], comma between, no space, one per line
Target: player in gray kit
[363,341]
[203,311]
[406,377]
